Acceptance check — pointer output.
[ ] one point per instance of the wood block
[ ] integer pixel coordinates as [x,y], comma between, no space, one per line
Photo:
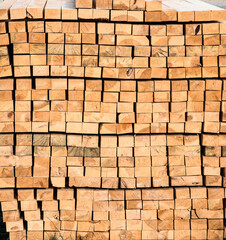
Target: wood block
[119,15]
[65,194]
[188,16]
[53,10]
[160,194]
[4,7]
[6,195]
[138,5]
[85,182]
[120,5]
[15,226]
[17,26]
[35,9]
[16,235]
[153,6]
[84,4]
[18,10]
[103,4]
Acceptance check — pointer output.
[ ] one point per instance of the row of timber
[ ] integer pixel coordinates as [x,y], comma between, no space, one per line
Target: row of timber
[88,106]
[111,162]
[112,10]
[112,50]
[162,213]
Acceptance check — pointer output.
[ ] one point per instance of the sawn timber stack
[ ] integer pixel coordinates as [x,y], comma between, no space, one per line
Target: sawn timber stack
[112,119]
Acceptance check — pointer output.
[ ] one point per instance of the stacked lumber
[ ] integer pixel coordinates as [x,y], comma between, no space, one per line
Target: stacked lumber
[123,99]
[161,213]
[112,119]
[114,50]
[214,159]
[112,106]
[127,161]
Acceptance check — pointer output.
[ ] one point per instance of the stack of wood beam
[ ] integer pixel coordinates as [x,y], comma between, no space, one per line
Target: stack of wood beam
[166,213]
[112,119]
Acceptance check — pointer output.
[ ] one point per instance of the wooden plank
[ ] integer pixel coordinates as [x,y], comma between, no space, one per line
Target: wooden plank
[84,4]
[69,11]
[35,9]
[4,9]
[53,9]
[19,9]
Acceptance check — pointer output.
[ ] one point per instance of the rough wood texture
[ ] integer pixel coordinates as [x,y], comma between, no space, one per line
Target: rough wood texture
[112,121]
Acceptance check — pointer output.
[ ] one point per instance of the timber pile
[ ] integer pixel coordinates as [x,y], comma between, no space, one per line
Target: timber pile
[113,119]
[167,213]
